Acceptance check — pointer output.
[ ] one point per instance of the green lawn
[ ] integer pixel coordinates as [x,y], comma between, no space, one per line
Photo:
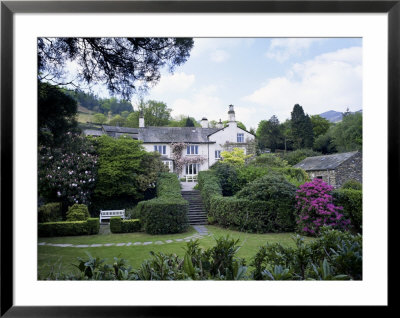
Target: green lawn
[66,256]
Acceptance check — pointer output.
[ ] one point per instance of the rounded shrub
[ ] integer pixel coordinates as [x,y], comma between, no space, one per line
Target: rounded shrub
[78,212]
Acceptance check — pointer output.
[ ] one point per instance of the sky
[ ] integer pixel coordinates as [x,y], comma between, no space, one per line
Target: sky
[263,77]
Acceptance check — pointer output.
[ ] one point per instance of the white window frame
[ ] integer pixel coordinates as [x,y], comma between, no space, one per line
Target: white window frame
[218,154]
[163,149]
[192,169]
[192,150]
[169,164]
[240,136]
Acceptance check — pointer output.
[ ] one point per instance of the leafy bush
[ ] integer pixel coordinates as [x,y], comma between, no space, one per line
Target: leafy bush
[316,209]
[50,212]
[118,225]
[351,201]
[298,155]
[335,255]
[227,177]
[250,173]
[352,184]
[78,212]
[125,169]
[69,228]
[168,212]
[269,160]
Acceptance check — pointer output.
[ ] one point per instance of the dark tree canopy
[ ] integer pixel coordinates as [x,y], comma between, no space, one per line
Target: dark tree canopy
[189,122]
[269,134]
[56,115]
[124,65]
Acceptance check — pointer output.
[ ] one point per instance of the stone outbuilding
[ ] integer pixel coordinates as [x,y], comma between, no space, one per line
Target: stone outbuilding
[334,169]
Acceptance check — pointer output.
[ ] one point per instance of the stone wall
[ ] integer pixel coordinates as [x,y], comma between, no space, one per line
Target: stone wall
[351,169]
[328,176]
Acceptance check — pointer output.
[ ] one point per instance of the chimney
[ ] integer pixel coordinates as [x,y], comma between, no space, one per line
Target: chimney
[204,122]
[231,114]
[220,125]
[141,119]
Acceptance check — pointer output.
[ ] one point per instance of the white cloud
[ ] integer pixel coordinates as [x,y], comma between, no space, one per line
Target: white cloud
[175,83]
[200,105]
[329,81]
[217,49]
[283,49]
[219,56]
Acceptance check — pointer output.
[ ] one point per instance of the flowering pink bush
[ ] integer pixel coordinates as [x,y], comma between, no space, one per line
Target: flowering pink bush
[316,209]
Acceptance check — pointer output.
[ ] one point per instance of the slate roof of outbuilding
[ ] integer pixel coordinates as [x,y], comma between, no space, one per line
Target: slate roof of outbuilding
[327,162]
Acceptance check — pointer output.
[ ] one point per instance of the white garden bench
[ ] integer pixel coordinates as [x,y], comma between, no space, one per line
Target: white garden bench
[106,215]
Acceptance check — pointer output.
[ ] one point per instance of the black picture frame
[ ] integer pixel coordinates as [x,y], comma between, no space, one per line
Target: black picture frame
[9,8]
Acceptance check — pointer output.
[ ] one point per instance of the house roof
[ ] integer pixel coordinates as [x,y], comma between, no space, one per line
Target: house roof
[175,134]
[122,130]
[328,162]
[92,132]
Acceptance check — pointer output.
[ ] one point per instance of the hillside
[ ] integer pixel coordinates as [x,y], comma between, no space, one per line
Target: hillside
[334,116]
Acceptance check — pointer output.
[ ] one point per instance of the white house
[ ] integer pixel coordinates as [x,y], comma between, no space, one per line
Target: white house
[201,146]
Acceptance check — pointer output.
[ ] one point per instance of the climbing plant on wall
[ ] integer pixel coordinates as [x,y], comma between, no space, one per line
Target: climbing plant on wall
[180,160]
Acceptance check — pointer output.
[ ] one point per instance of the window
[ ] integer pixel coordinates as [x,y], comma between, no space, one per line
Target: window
[240,137]
[169,164]
[217,154]
[192,168]
[319,177]
[162,149]
[192,150]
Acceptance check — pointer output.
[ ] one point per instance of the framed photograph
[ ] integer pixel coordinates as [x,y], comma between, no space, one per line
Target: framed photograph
[235,66]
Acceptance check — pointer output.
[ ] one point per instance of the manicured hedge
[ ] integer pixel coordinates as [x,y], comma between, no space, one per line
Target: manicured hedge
[209,187]
[118,225]
[168,212]
[351,201]
[50,212]
[69,228]
[241,213]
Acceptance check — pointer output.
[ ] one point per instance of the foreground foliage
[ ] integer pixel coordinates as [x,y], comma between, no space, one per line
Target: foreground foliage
[334,255]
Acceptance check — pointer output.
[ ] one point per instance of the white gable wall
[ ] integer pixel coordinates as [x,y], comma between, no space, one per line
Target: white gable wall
[227,134]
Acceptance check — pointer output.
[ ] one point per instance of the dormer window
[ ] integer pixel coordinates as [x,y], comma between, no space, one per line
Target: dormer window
[240,137]
[192,150]
[162,149]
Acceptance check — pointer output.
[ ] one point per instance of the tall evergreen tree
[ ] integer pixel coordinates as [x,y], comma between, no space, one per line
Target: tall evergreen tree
[302,129]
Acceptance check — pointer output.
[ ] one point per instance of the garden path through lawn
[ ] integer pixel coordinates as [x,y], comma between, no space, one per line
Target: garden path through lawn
[105,229]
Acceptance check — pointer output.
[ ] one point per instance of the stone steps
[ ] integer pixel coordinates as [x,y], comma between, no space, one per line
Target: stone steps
[196,214]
